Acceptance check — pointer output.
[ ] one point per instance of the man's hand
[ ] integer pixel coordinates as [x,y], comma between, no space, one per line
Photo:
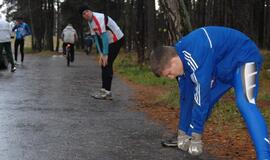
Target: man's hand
[103,60]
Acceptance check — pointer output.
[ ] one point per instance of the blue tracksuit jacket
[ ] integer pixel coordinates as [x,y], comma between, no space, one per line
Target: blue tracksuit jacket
[22,30]
[211,53]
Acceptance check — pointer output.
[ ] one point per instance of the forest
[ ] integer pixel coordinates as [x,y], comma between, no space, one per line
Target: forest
[146,23]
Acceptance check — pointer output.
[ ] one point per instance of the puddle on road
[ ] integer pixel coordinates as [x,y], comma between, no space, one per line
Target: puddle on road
[34,127]
[57,56]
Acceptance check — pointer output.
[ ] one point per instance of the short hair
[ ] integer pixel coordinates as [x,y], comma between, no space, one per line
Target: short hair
[160,58]
[19,18]
[84,7]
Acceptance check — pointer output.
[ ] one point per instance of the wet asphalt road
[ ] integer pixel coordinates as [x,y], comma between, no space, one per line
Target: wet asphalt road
[46,113]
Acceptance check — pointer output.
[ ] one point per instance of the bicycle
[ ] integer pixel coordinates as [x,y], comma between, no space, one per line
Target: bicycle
[68,54]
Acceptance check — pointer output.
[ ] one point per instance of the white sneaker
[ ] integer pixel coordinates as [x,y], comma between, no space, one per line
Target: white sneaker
[13,69]
[103,94]
[196,145]
[183,140]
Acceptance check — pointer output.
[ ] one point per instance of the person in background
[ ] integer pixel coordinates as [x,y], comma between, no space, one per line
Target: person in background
[108,39]
[5,41]
[69,36]
[22,30]
[88,42]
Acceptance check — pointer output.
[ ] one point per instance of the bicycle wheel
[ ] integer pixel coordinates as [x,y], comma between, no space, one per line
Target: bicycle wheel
[68,56]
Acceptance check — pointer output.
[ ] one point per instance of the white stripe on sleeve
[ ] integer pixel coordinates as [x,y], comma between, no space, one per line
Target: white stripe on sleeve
[191,61]
[210,42]
[197,94]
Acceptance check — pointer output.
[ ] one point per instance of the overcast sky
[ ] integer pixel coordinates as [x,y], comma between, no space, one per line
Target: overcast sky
[1,1]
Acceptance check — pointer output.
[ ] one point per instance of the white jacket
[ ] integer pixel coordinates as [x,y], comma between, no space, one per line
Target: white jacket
[69,35]
[98,26]
[5,31]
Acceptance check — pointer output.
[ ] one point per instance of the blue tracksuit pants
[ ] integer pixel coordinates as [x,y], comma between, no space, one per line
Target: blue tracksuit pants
[245,84]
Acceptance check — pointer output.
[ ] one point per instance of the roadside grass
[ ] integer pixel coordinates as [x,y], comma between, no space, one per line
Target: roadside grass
[28,44]
[224,112]
[126,66]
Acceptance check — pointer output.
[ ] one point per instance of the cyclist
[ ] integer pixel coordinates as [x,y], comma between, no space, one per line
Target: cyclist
[69,36]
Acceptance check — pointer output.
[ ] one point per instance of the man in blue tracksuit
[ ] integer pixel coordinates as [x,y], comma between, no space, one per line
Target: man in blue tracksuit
[207,63]
[22,29]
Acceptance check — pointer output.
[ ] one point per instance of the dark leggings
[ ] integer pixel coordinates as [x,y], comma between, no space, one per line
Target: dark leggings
[107,71]
[19,42]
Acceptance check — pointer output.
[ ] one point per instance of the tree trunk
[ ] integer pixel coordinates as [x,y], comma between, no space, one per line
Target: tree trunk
[172,16]
[36,22]
[49,12]
[31,22]
[242,16]
[186,18]
[151,26]
[261,23]
[177,17]
[140,32]
[267,24]
[58,26]
[132,28]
